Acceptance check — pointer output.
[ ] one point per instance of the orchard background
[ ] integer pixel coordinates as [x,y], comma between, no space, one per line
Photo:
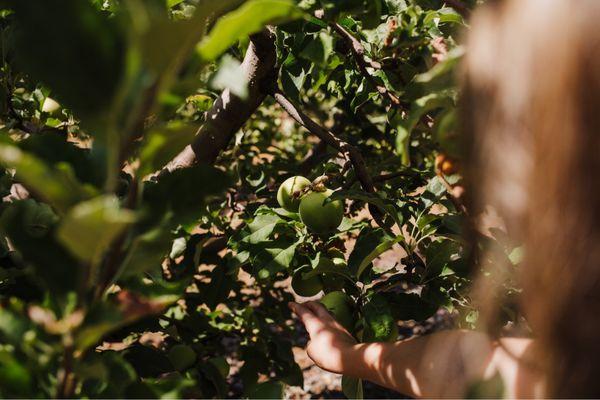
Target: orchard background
[144,252]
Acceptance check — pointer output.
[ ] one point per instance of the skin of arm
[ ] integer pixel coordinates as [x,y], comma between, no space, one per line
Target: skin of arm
[442,364]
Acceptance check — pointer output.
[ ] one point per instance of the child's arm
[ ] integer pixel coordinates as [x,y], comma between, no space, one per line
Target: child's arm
[442,364]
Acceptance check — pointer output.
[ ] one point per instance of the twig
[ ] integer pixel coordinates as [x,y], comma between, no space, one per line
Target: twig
[350,151]
[379,178]
[66,382]
[455,200]
[387,177]
[358,50]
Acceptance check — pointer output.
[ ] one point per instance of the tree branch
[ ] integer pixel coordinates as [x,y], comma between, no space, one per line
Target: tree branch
[348,150]
[358,51]
[351,152]
[229,112]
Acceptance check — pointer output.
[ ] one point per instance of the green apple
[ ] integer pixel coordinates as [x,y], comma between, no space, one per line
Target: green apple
[306,287]
[318,216]
[341,306]
[285,194]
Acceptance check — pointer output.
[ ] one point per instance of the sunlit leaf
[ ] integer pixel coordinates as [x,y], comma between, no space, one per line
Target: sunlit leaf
[246,20]
[161,145]
[90,227]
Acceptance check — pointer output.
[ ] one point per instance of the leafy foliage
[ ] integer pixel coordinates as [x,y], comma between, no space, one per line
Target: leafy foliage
[119,279]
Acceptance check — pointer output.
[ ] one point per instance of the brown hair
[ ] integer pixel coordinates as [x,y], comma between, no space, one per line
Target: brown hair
[532,126]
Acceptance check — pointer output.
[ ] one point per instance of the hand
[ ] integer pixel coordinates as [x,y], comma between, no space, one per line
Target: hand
[330,343]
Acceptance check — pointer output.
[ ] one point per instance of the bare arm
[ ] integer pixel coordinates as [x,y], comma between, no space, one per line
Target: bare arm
[442,364]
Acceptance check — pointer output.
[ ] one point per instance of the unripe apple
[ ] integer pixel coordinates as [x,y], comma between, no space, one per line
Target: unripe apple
[285,194]
[341,306]
[318,216]
[306,287]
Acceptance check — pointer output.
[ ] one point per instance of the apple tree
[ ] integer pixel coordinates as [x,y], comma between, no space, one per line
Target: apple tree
[174,172]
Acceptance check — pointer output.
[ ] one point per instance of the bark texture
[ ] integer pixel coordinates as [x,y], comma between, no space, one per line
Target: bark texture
[229,112]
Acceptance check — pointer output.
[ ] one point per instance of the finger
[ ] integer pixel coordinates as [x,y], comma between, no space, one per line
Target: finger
[319,310]
[311,322]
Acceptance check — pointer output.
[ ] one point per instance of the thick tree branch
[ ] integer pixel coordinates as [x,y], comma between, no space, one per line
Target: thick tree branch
[229,112]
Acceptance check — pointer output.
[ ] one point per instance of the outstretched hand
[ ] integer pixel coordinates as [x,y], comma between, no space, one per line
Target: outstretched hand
[329,341]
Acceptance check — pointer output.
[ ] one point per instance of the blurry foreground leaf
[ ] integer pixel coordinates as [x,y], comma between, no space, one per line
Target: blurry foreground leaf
[90,227]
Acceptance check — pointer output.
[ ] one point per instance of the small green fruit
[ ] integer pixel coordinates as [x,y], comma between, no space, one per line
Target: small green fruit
[285,194]
[306,287]
[182,357]
[319,217]
[341,306]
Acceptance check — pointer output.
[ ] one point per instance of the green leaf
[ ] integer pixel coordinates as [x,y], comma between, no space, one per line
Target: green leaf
[382,204]
[231,76]
[268,390]
[442,68]
[293,77]
[180,197]
[90,227]
[246,20]
[161,145]
[101,319]
[327,267]
[12,326]
[73,48]
[407,306]
[376,252]
[319,49]
[174,386]
[418,109]
[380,325]
[57,186]
[31,228]
[173,3]
[15,377]
[148,361]
[352,387]
[100,368]
[217,290]
[213,374]
[439,257]
[274,259]
[261,227]
[443,15]
[147,250]
[368,239]
[54,148]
